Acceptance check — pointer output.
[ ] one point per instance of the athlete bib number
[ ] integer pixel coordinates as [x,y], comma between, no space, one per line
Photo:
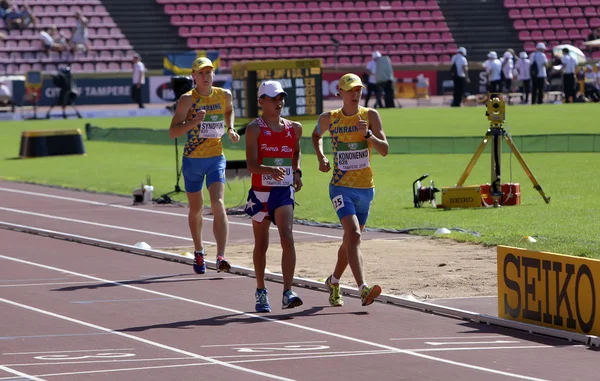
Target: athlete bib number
[353,160]
[269,181]
[212,129]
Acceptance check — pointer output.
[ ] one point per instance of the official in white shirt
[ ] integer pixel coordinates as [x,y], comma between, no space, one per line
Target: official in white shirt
[522,67]
[538,80]
[460,75]
[138,80]
[569,64]
[493,68]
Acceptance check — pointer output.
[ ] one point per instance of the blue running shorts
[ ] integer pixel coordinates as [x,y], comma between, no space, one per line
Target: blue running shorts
[195,169]
[263,204]
[352,201]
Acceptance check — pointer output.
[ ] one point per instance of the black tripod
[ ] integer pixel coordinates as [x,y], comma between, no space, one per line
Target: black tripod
[181,85]
[68,92]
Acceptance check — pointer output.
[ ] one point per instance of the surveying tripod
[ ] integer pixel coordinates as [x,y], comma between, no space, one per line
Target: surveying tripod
[496,110]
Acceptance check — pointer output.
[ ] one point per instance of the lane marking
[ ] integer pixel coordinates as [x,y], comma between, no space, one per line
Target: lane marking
[20,374]
[472,342]
[28,280]
[145,341]
[84,222]
[57,335]
[252,344]
[448,338]
[117,300]
[70,351]
[285,323]
[46,195]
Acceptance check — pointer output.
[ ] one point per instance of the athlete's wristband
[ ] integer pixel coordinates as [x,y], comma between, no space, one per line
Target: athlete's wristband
[369,134]
[299,172]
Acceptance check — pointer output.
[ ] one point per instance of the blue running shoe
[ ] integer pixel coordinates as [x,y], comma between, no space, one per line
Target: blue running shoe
[290,300]
[199,264]
[262,300]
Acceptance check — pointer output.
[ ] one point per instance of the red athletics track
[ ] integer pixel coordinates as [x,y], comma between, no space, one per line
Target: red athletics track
[75,312]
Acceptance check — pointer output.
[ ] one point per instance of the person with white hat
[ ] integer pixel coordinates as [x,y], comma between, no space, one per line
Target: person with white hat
[273,158]
[522,67]
[569,65]
[538,73]
[460,75]
[372,87]
[355,131]
[507,64]
[591,84]
[493,68]
[204,114]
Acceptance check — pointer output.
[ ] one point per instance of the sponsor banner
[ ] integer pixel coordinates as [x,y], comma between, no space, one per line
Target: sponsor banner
[92,91]
[405,82]
[161,91]
[552,290]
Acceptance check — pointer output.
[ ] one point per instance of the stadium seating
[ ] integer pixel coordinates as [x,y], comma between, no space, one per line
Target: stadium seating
[408,31]
[555,22]
[109,49]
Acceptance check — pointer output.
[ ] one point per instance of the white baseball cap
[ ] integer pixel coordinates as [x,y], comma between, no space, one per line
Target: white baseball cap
[376,54]
[493,55]
[462,50]
[270,89]
[541,45]
[523,55]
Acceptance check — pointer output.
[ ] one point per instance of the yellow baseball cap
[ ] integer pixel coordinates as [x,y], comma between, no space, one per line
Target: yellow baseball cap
[349,81]
[201,63]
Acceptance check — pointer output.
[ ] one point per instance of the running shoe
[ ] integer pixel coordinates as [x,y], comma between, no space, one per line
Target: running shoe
[290,300]
[335,297]
[222,264]
[368,294]
[199,264]
[262,300]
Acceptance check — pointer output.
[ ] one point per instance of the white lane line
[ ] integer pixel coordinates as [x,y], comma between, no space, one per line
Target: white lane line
[49,216]
[448,338]
[71,351]
[137,209]
[285,323]
[252,344]
[20,374]
[29,280]
[472,342]
[57,335]
[118,300]
[144,341]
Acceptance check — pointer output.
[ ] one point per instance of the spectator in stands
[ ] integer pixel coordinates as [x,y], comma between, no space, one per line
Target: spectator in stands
[138,80]
[594,35]
[493,68]
[569,64]
[522,67]
[460,75]
[372,87]
[18,17]
[508,66]
[384,75]
[351,188]
[538,73]
[591,84]
[53,40]
[6,99]
[79,37]
[203,156]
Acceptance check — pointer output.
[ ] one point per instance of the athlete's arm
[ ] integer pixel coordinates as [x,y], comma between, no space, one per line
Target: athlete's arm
[317,141]
[252,133]
[377,138]
[296,160]
[179,125]
[230,118]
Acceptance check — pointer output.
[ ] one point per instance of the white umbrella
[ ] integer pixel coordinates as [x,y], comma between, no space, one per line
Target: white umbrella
[575,52]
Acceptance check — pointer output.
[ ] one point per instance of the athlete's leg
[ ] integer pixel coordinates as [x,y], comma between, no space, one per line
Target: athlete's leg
[352,240]
[196,202]
[259,255]
[284,217]
[220,222]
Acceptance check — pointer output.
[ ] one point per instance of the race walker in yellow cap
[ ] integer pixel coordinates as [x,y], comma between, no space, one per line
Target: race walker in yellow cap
[354,132]
[205,114]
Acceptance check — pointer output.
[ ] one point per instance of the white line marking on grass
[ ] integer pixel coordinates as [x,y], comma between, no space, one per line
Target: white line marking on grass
[230,310]
[141,340]
[20,374]
[98,224]
[137,209]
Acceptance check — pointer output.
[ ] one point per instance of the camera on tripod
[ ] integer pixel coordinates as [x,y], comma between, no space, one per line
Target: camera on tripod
[496,109]
[68,93]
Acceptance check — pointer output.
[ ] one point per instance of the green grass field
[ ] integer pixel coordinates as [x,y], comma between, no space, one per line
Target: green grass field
[567,225]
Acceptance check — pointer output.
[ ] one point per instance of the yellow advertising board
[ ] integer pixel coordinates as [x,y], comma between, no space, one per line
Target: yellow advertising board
[548,289]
